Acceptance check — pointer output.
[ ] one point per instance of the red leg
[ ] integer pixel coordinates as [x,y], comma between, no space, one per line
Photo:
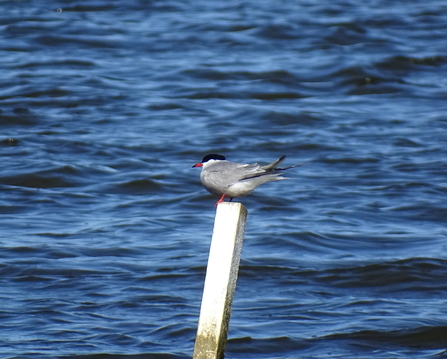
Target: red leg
[221,199]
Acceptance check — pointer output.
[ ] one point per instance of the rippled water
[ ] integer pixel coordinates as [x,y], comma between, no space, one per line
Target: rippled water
[105,228]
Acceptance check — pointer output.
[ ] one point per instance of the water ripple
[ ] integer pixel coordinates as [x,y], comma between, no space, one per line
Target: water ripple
[105,227]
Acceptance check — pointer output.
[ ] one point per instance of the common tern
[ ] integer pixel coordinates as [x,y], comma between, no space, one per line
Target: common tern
[231,179]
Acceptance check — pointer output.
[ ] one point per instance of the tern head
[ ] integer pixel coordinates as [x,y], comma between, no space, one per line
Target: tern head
[211,156]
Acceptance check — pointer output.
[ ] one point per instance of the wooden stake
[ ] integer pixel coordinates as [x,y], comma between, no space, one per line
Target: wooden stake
[220,281]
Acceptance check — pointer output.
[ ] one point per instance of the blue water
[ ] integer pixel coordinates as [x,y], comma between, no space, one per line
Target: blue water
[105,227]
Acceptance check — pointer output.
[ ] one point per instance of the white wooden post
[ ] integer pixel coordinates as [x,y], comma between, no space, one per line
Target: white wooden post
[220,281]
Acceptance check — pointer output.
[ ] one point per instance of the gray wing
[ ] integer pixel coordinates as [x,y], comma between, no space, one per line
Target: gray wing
[223,174]
[228,173]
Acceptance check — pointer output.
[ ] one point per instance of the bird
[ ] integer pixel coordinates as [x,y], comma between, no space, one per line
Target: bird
[231,179]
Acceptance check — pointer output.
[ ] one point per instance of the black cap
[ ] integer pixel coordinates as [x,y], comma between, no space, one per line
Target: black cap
[212,156]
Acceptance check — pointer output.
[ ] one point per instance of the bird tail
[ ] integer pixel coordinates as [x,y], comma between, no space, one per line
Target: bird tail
[274,166]
[272,171]
[286,168]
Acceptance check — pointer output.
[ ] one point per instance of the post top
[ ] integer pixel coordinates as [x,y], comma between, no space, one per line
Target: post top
[231,207]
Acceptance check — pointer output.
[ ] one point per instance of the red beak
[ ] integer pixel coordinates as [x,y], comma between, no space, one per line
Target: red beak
[198,165]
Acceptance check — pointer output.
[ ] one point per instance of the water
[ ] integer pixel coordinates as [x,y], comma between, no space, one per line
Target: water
[105,228]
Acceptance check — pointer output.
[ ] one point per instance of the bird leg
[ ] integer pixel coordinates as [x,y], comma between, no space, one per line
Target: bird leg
[221,199]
